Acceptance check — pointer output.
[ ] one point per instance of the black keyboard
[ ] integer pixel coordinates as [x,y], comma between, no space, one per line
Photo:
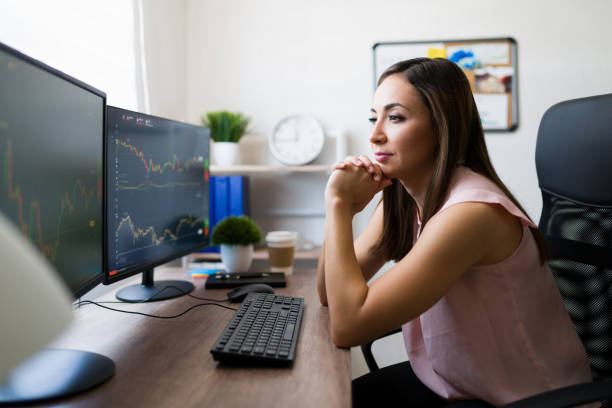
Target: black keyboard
[264,331]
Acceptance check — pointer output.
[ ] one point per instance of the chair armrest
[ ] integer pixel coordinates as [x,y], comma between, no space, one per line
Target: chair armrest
[570,396]
[367,350]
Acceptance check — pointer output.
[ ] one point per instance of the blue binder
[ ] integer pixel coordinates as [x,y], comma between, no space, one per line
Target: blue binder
[222,198]
[239,203]
[229,195]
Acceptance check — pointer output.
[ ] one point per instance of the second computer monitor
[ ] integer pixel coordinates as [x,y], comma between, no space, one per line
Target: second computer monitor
[157,198]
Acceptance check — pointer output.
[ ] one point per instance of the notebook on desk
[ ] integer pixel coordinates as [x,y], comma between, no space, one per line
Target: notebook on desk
[232,280]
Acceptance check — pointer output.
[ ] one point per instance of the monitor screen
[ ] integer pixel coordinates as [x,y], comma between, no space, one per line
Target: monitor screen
[51,159]
[157,191]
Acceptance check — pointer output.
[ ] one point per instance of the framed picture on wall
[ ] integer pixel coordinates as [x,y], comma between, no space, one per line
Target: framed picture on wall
[489,64]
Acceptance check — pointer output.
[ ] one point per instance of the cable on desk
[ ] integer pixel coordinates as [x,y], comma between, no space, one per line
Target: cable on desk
[91,302]
[180,291]
[211,300]
[168,287]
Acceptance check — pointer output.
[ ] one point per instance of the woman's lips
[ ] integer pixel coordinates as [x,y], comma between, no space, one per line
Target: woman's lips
[380,157]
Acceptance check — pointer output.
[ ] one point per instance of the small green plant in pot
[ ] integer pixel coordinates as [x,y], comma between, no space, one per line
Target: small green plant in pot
[236,237]
[226,129]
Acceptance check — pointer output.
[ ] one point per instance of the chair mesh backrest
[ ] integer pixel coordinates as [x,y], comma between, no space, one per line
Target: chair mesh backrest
[574,166]
[586,288]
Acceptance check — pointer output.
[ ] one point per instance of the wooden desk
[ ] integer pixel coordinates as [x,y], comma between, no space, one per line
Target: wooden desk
[167,363]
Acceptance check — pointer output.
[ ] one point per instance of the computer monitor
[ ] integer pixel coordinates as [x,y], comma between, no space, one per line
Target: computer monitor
[51,188]
[157,199]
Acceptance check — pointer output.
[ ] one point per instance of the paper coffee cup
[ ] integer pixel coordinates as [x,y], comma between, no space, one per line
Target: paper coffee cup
[281,250]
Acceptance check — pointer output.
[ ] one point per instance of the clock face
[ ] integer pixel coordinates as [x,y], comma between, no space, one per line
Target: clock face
[297,140]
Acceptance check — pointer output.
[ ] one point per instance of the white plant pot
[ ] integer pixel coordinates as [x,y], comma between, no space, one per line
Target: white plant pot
[225,153]
[237,258]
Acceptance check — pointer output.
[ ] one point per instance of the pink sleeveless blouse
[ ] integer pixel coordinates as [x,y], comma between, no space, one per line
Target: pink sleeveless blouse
[501,332]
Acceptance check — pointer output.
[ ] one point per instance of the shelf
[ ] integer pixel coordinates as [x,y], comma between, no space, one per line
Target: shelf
[263,169]
[258,254]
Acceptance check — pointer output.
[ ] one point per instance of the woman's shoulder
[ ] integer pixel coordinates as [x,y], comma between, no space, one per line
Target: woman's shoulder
[469,186]
[464,178]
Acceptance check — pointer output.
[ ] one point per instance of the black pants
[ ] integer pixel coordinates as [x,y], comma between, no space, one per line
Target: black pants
[397,385]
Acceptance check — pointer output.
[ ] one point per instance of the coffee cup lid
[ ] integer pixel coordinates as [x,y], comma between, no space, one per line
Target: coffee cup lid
[281,236]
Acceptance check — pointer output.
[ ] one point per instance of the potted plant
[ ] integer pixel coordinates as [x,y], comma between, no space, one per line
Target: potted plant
[226,129]
[236,236]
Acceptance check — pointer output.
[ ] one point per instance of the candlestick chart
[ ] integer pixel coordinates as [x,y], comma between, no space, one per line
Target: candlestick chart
[158,175]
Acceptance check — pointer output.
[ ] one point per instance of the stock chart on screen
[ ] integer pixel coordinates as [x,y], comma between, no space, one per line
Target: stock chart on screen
[158,189]
[51,145]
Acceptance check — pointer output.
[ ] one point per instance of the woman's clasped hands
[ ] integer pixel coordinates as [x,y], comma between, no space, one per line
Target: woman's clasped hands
[355,181]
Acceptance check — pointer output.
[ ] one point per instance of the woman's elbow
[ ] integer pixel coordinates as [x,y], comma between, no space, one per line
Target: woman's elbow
[341,337]
[322,295]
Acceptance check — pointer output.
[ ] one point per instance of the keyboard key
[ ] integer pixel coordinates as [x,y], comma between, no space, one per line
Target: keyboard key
[289,331]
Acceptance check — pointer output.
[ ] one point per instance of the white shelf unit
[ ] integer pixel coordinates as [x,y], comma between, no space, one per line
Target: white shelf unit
[263,169]
[261,253]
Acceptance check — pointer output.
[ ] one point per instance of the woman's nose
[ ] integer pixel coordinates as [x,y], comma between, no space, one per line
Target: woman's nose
[377,136]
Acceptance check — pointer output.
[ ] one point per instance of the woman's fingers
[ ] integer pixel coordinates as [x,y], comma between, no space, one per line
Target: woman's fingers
[367,164]
[378,173]
[362,161]
[352,160]
[339,165]
[372,168]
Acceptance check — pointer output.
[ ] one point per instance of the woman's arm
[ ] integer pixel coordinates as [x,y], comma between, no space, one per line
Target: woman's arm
[456,239]
[369,264]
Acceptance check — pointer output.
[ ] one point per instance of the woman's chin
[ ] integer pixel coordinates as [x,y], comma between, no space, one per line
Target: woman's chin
[388,171]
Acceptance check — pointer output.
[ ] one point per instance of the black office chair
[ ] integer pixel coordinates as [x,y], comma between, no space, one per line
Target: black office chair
[574,167]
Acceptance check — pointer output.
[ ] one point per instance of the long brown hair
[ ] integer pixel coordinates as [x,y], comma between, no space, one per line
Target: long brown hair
[446,92]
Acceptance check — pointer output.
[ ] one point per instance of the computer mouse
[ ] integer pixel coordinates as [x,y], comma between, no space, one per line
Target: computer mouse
[238,294]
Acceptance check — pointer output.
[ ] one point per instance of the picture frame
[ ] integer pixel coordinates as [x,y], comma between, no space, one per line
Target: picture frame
[489,64]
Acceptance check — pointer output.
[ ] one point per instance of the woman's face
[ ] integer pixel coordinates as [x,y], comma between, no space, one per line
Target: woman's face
[403,140]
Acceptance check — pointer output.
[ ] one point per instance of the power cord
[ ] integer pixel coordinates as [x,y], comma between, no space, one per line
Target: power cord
[99,304]
[182,292]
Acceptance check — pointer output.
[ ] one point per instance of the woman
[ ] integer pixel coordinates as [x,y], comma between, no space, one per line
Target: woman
[482,318]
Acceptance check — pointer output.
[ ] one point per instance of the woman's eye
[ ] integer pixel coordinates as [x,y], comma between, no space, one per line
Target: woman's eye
[396,118]
[372,120]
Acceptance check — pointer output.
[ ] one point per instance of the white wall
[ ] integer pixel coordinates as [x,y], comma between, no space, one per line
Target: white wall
[164,33]
[272,58]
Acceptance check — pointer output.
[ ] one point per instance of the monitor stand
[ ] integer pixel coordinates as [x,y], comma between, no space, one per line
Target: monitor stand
[149,290]
[55,373]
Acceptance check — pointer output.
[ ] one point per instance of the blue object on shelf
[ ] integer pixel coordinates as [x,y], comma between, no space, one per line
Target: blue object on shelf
[239,195]
[229,195]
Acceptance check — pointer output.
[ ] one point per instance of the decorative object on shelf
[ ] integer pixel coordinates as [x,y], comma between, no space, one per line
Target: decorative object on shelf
[226,129]
[236,236]
[297,140]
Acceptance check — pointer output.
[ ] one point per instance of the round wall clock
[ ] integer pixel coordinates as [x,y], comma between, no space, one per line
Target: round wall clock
[297,140]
